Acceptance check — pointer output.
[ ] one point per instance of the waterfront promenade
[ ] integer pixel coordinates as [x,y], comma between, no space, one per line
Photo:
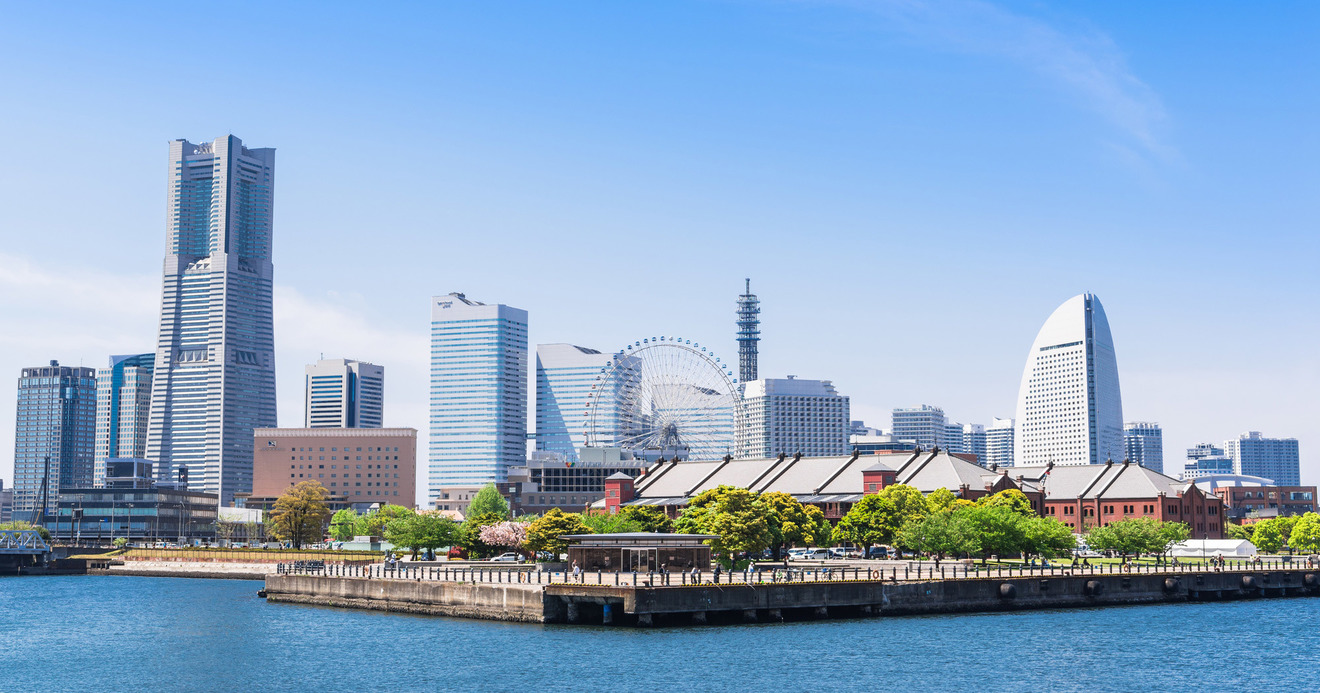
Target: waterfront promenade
[645,599]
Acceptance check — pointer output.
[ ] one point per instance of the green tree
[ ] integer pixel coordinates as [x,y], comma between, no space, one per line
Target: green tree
[373,523]
[469,536]
[877,518]
[487,501]
[794,524]
[648,517]
[343,524]
[1046,536]
[611,523]
[1130,536]
[941,534]
[940,499]
[738,518]
[1012,499]
[1236,531]
[301,513]
[1305,535]
[1268,535]
[421,532]
[544,534]
[1001,530]
[1171,533]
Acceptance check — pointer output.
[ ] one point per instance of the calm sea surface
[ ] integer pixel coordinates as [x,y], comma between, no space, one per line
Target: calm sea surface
[159,634]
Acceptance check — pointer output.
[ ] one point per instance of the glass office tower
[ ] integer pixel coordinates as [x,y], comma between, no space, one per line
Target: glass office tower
[478,393]
[54,436]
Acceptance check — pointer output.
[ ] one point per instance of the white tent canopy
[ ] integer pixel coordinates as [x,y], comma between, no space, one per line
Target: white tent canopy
[1204,548]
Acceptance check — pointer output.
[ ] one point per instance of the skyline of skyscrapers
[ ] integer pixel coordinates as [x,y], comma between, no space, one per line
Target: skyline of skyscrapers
[344,393]
[214,380]
[478,393]
[1143,443]
[123,405]
[793,415]
[55,436]
[1070,407]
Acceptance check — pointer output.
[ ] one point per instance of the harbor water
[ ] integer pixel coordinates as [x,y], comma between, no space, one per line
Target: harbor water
[98,633]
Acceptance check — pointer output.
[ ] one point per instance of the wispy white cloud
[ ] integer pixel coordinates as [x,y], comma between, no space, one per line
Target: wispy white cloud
[1086,63]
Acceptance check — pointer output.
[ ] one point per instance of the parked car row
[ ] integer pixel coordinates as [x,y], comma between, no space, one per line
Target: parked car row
[837,552]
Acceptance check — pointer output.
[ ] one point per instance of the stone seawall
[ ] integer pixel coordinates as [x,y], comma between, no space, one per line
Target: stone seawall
[499,602]
[678,605]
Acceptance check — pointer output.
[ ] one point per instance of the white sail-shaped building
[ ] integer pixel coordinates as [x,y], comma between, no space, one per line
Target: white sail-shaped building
[1069,409]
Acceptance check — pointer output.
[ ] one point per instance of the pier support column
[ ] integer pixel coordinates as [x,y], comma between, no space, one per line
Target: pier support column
[644,620]
[822,612]
[574,614]
[607,614]
[749,615]
[698,618]
[775,615]
[868,609]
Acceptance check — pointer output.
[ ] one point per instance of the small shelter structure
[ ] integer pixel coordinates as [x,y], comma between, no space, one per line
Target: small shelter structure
[1206,548]
[639,551]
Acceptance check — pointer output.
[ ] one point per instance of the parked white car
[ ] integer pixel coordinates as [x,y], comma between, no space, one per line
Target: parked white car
[510,557]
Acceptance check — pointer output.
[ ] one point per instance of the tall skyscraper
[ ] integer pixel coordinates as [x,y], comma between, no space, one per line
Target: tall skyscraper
[214,380]
[1273,458]
[55,436]
[999,443]
[565,377]
[1069,408]
[478,393]
[343,393]
[925,424]
[123,404]
[749,333]
[1144,444]
[790,415]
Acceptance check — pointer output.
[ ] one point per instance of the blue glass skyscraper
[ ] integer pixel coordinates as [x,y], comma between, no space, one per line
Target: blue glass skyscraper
[123,407]
[478,393]
[54,437]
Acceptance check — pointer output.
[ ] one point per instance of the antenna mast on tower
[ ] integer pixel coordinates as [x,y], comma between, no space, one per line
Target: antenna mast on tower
[749,333]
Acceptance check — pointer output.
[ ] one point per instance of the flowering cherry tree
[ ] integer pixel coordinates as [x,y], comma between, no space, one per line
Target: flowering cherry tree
[509,534]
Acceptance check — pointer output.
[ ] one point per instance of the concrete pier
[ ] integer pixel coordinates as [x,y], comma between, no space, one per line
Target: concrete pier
[738,603]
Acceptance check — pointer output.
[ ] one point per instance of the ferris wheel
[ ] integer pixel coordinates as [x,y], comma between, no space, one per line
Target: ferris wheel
[666,397]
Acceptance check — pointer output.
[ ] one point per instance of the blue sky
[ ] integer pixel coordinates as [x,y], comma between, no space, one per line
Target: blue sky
[912,187]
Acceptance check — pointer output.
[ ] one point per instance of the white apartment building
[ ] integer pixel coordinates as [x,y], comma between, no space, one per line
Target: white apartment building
[792,415]
[999,443]
[1144,444]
